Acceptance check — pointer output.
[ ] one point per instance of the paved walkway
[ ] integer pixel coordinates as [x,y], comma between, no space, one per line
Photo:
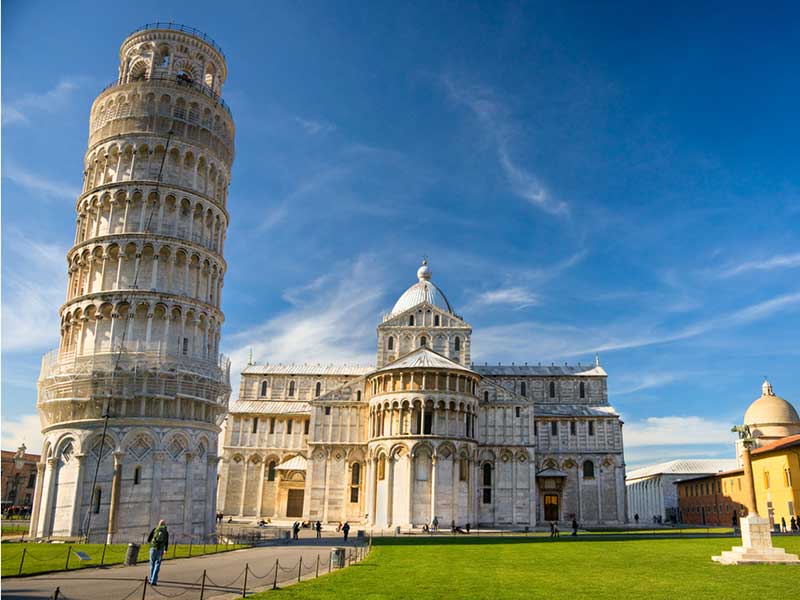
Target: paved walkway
[181,578]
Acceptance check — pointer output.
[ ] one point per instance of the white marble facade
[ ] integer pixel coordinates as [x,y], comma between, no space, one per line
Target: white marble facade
[424,433]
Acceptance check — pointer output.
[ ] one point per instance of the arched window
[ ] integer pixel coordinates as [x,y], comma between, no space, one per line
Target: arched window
[98,493]
[137,475]
[487,483]
[523,389]
[264,388]
[382,468]
[271,471]
[457,344]
[435,320]
[318,389]
[463,469]
[582,387]
[255,425]
[588,470]
[552,389]
[554,427]
[291,388]
[390,343]
[423,341]
[485,396]
[411,320]
[355,481]
[358,395]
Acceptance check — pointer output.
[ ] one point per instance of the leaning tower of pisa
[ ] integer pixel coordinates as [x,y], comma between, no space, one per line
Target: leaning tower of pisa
[140,326]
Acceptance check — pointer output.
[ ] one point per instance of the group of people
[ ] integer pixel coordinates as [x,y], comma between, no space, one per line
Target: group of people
[555,532]
[794,525]
[297,525]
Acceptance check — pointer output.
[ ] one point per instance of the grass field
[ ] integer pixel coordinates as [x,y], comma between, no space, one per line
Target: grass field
[41,558]
[616,567]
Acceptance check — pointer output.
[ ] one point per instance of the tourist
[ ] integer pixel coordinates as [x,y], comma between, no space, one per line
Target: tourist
[339,527]
[556,532]
[574,527]
[793,524]
[159,543]
[783,525]
[636,518]
[468,527]
[435,524]
[318,527]
[346,529]
[552,529]
[453,526]
[296,529]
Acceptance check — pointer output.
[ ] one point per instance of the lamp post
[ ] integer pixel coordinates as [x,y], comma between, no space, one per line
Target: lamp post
[756,538]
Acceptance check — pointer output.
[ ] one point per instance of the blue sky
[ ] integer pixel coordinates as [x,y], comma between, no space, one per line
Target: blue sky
[617,179]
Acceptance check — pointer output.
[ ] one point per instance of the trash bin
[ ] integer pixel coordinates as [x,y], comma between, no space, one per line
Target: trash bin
[132,555]
[286,535]
[337,558]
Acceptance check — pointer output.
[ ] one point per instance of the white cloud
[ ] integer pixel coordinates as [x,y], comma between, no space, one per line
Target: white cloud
[677,431]
[781,261]
[315,127]
[33,289]
[639,382]
[328,322]
[518,297]
[39,183]
[561,341]
[25,429]
[24,109]
[497,125]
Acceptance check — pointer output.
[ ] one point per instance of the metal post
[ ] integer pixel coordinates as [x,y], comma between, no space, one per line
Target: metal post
[69,551]
[330,563]
[190,547]
[244,586]
[275,581]
[22,561]
[144,588]
[299,569]
[203,585]
[103,556]
[317,565]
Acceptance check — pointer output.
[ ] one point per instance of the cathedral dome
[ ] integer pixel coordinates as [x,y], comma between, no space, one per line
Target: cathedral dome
[422,291]
[771,415]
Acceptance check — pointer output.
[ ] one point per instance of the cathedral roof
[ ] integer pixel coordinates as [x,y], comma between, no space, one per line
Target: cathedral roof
[546,409]
[424,358]
[308,369]
[422,291]
[540,370]
[260,407]
[690,466]
[297,463]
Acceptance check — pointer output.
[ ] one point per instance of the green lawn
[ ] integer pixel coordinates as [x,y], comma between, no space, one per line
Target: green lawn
[421,568]
[40,558]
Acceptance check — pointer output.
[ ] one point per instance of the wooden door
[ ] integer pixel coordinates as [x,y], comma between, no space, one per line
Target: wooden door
[551,507]
[294,503]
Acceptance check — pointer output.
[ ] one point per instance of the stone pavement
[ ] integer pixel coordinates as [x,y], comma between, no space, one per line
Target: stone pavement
[181,578]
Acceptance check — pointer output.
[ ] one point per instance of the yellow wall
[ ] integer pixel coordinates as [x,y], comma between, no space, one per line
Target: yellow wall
[776,489]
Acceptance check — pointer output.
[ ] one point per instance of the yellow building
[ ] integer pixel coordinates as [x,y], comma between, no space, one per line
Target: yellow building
[776,472]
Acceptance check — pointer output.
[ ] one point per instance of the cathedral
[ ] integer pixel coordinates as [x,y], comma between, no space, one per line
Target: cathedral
[424,434]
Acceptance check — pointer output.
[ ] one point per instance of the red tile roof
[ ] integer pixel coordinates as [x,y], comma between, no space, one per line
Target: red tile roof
[787,442]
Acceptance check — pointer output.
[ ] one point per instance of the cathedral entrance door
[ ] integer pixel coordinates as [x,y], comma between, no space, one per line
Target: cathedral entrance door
[294,503]
[551,507]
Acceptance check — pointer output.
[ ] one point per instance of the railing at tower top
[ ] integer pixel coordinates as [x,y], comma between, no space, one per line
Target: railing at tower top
[138,352]
[183,29]
[180,80]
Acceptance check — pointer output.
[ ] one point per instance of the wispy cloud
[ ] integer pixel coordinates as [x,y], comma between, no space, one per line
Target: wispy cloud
[24,429]
[562,341]
[24,109]
[329,321]
[677,431]
[629,384]
[780,261]
[497,124]
[31,292]
[39,183]
[315,127]
[518,297]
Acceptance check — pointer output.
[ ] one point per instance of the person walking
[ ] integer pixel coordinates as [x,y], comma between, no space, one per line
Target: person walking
[435,524]
[159,543]
[318,527]
[783,525]
[556,532]
[346,530]
[574,527]
[295,530]
[793,524]
[552,529]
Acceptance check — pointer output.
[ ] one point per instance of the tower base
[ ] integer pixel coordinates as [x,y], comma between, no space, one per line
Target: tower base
[757,546]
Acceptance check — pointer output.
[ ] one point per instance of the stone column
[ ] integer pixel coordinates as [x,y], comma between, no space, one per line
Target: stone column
[188,489]
[245,469]
[327,485]
[49,498]
[390,461]
[750,490]
[114,506]
[211,496]
[37,499]
[373,518]
[410,490]
[155,488]
[260,495]
[433,485]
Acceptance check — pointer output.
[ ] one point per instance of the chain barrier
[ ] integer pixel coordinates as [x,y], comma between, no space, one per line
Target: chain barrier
[267,574]
[215,584]
[189,587]
[289,569]
[135,590]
